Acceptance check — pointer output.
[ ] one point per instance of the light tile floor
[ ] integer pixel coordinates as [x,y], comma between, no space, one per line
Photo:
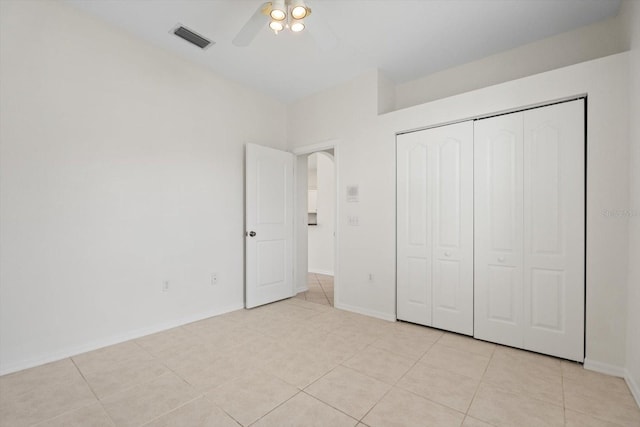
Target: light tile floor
[297,363]
[320,289]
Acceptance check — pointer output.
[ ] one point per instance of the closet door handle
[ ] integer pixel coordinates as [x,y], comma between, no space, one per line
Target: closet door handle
[447,254]
[501,259]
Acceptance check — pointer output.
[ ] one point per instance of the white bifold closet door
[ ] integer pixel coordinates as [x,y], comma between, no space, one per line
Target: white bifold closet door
[529,229]
[435,227]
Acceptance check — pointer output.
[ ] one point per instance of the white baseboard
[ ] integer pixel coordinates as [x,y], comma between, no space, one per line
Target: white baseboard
[633,386]
[604,368]
[366,312]
[318,271]
[302,289]
[115,339]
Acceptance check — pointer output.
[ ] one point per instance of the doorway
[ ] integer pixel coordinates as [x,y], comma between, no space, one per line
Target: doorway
[321,228]
[316,225]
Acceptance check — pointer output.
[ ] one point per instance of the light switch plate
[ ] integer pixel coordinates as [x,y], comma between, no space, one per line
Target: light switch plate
[353,194]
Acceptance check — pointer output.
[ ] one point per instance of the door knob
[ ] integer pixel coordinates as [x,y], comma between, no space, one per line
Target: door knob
[447,254]
[252,233]
[501,259]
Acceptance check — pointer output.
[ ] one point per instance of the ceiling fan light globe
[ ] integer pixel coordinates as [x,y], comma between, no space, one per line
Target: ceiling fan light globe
[278,10]
[276,26]
[299,12]
[278,15]
[296,27]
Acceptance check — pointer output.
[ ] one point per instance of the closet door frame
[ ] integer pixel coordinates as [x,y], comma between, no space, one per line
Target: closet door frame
[583,97]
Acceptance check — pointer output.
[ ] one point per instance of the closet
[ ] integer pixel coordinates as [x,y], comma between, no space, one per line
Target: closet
[491,233]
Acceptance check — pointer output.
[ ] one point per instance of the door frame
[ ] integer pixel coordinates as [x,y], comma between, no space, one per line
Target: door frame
[300,250]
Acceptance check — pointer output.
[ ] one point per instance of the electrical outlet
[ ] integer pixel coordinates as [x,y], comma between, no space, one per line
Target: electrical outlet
[165,286]
[214,279]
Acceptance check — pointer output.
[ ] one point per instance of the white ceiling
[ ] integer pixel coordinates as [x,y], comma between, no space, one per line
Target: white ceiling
[406,39]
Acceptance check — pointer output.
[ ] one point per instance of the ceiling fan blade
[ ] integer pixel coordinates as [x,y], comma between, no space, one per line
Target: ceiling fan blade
[253,26]
[324,37]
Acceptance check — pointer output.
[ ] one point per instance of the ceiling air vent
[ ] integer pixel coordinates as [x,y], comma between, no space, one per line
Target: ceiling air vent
[193,38]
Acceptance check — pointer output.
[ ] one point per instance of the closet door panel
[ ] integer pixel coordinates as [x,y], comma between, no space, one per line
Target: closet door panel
[452,191]
[498,174]
[413,222]
[554,243]
[502,294]
[435,227]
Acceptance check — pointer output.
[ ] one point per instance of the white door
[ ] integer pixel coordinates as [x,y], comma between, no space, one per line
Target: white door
[529,229]
[413,275]
[269,225]
[554,177]
[452,227]
[498,231]
[435,227]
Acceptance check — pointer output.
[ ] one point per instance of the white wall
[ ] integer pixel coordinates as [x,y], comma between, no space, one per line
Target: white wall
[631,9]
[582,44]
[121,167]
[367,158]
[321,239]
[348,114]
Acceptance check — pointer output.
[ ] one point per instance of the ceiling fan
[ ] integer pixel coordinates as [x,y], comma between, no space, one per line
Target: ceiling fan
[285,14]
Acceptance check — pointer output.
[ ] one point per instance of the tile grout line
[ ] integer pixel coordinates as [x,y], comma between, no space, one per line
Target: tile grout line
[475,394]
[395,384]
[465,414]
[275,407]
[375,404]
[520,394]
[398,380]
[329,405]
[84,378]
[564,404]
[322,288]
[98,400]
[304,390]
[324,291]
[325,294]
[173,410]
